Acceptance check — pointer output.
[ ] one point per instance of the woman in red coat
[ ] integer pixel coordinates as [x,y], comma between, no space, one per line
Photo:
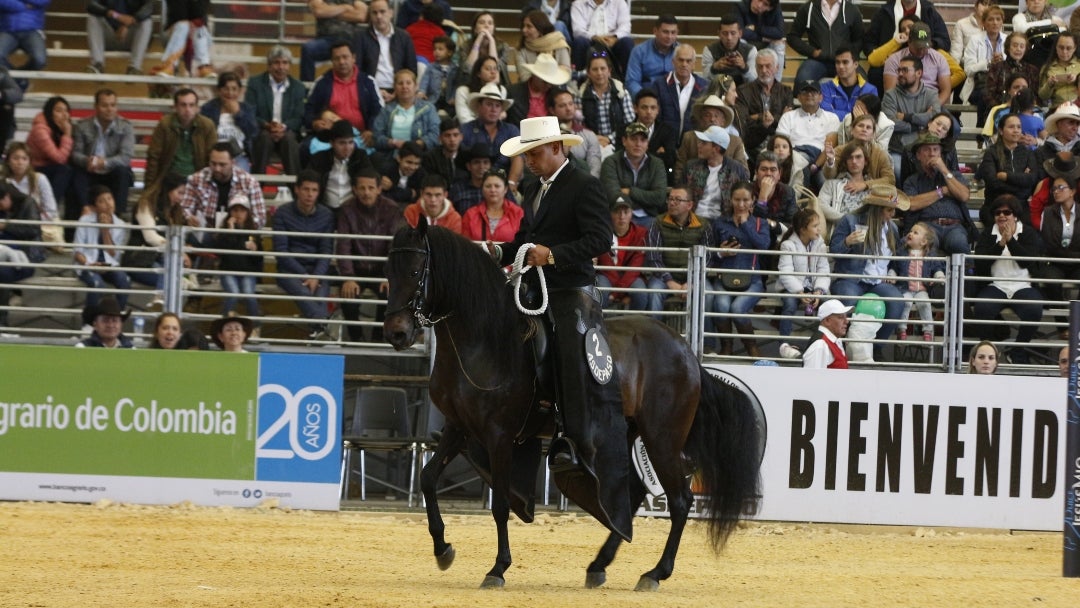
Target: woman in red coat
[498,218]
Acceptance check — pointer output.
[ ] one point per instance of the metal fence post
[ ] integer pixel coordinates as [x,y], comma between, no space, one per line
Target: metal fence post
[954,317]
[174,267]
[695,299]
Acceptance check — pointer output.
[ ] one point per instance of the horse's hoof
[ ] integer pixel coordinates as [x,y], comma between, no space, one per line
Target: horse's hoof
[595,579]
[492,582]
[647,584]
[446,559]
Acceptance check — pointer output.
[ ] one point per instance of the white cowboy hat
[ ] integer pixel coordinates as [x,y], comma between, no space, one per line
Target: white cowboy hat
[549,70]
[537,132]
[1065,110]
[712,101]
[490,90]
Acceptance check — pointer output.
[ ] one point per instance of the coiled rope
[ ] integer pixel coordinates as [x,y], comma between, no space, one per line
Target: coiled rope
[520,268]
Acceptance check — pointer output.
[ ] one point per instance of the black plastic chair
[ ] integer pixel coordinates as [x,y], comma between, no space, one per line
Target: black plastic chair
[380,423]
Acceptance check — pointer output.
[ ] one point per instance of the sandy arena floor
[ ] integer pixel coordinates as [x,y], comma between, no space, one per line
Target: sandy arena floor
[67,555]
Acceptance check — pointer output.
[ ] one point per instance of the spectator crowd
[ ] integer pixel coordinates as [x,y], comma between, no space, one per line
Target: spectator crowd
[856,155]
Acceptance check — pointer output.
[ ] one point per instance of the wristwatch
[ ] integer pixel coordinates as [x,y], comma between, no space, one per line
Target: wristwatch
[551,258]
[949,176]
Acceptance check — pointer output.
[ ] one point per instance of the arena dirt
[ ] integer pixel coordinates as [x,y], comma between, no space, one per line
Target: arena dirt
[113,555]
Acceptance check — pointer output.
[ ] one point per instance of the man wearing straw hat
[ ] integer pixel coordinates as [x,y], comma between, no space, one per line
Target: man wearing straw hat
[489,104]
[566,217]
[938,196]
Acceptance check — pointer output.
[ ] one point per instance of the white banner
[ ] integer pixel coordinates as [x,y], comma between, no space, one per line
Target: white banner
[908,448]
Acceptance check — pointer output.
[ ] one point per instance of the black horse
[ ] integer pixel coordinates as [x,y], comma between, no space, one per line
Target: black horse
[485,382]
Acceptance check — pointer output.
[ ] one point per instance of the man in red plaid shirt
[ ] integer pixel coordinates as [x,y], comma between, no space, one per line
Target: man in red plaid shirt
[206,196]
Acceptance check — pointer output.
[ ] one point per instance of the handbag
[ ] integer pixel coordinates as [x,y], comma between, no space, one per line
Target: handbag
[736,280]
[739,280]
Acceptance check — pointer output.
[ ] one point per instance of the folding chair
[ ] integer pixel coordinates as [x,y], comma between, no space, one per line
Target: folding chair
[380,423]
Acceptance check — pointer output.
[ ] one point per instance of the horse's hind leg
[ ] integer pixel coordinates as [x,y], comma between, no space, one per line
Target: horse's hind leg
[596,573]
[448,448]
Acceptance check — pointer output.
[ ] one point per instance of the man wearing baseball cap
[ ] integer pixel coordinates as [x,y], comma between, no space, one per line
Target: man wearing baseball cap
[635,175]
[935,68]
[826,348]
[807,126]
[567,219]
[710,176]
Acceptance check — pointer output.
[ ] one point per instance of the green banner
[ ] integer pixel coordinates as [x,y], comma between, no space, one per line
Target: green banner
[127,412]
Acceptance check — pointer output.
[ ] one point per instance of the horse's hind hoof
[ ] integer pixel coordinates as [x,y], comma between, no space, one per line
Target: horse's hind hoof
[492,582]
[595,579]
[446,558]
[647,584]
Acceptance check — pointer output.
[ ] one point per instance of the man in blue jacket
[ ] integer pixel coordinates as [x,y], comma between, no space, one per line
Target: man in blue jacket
[368,44]
[652,58]
[22,26]
[839,94]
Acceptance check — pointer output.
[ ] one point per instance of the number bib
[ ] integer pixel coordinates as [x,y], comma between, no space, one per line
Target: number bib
[598,355]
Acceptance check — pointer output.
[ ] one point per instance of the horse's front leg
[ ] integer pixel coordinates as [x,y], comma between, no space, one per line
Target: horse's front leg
[500,512]
[448,448]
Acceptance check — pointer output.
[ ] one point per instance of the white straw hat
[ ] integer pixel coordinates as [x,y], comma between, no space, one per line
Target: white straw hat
[537,132]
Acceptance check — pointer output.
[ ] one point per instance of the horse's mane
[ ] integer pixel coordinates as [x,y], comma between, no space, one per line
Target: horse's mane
[466,282]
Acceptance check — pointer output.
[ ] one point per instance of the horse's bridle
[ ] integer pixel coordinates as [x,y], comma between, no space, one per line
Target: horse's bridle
[419,300]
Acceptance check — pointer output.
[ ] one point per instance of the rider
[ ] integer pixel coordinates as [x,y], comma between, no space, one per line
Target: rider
[566,217]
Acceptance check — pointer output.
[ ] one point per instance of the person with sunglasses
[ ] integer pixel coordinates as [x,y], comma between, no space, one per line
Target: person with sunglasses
[1000,252]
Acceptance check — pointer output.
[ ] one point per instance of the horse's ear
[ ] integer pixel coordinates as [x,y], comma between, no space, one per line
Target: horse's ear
[421,227]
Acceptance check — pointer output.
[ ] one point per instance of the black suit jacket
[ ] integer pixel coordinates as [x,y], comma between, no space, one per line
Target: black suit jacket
[573,221]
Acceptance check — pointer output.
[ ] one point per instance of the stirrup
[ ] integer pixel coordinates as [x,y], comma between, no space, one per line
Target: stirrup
[562,455]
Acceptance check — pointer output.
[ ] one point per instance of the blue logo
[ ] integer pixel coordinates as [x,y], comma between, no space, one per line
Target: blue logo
[299,418]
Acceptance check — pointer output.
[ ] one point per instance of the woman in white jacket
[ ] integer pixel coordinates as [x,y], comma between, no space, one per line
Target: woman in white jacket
[803,268]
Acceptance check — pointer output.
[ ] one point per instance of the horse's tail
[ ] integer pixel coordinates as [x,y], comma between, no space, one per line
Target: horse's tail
[724,444]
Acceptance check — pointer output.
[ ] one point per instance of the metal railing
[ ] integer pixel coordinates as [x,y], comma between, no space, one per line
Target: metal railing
[52,299]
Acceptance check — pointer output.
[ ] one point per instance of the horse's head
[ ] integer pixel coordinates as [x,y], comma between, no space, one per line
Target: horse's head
[407,271]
